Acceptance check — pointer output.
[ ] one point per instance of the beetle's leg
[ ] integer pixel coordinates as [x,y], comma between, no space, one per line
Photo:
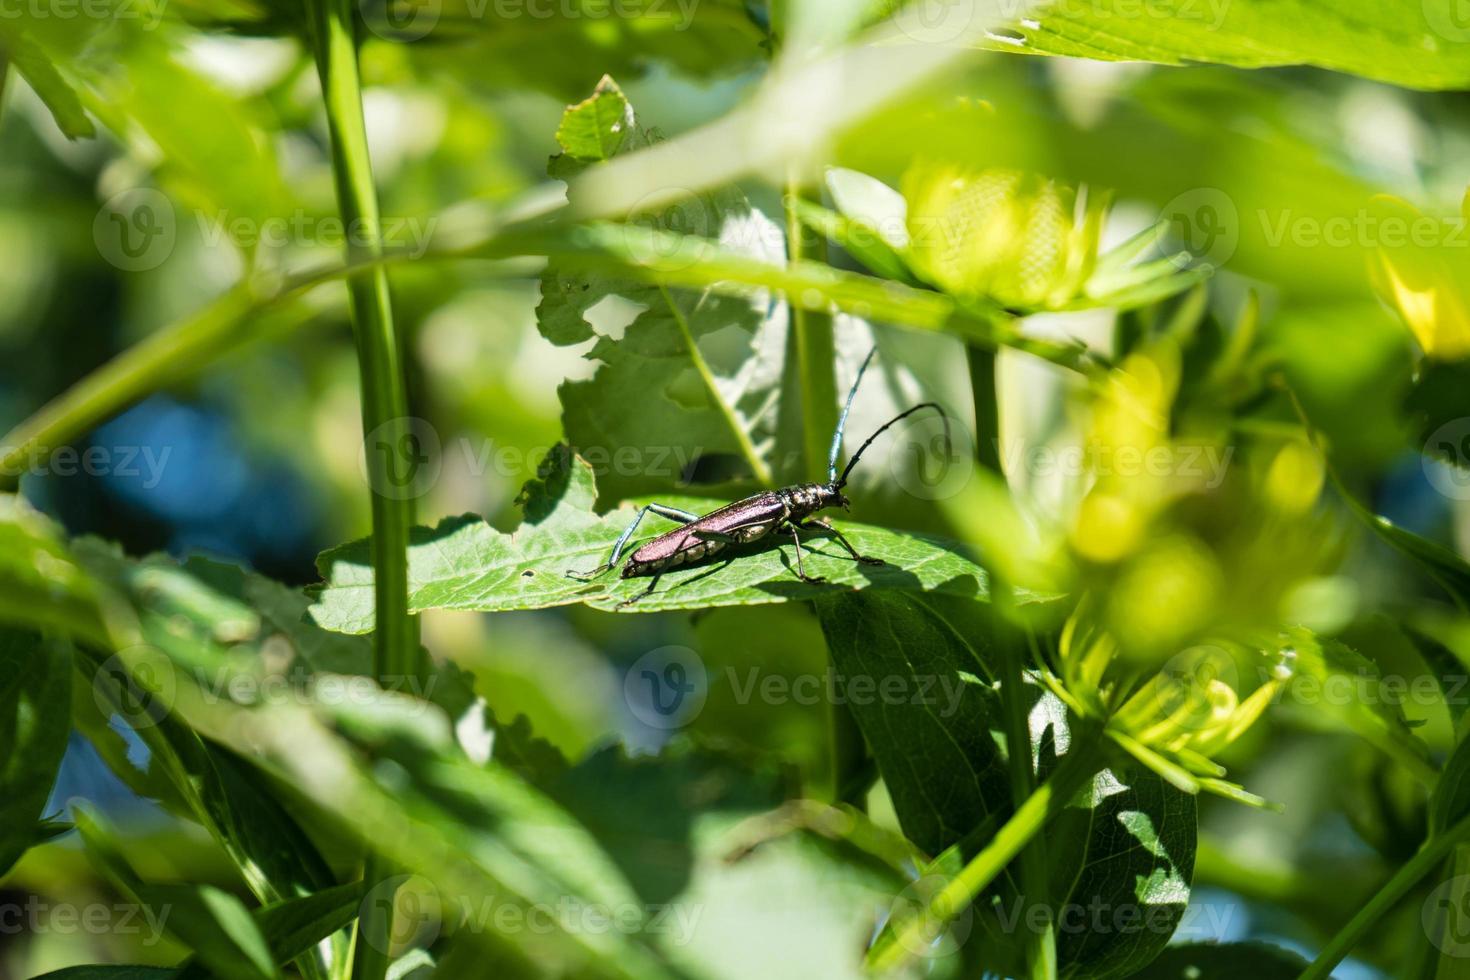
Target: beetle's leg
[628,602]
[800,569]
[819,524]
[672,513]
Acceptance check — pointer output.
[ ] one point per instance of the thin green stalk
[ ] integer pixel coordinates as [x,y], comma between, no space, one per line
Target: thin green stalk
[1429,857]
[396,651]
[984,394]
[816,354]
[758,468]
[1078,766]
[814,349]
[142,369]
[1041,949]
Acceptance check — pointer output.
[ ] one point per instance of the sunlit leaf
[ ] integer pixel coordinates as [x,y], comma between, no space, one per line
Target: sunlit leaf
[1420,46]
[466,564]
[692,380]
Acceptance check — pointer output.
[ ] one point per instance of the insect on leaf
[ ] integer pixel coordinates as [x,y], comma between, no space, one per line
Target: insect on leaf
[464,563]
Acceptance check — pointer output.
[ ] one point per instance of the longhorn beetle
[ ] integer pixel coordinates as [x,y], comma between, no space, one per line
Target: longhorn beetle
[756,517]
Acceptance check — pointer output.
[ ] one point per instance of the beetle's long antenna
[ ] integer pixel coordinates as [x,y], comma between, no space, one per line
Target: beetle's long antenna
[842,419]
[886,425]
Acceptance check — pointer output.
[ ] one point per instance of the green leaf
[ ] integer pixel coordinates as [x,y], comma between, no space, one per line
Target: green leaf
[938,651]
[1128,847]
[40,583]
[35,719]
[562,49]
[213,627]
[1451,799]
[1126,844]
[594,129]
[1422,46]
[479,831]
[1224,961]
[206,629]
[295,926]
[523,752]
[36,67]
[1446,668]
[694,378]
[464,563]
[1448,569]
[213,923]
[1344,691]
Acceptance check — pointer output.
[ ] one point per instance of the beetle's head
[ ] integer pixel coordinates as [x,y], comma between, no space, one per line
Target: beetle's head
[832,496]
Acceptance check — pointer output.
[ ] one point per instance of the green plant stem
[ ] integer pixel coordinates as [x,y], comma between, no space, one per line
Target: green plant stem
[816,354]
[396,652]
[758,468]
[1041,950]
[1429,857]
[187,347]
[815,351]
[984,395]
[1079,765]
[146,367]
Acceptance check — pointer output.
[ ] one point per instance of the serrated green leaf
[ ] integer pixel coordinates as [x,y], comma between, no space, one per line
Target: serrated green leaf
[940,653]
[694,378]
[525,753]
[35,719]
[594,129]
[464,563]
[1420,46]
[1126,843]
[562,49]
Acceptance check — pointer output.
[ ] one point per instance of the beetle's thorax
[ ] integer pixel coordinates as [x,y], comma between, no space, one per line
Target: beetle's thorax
[808,498]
